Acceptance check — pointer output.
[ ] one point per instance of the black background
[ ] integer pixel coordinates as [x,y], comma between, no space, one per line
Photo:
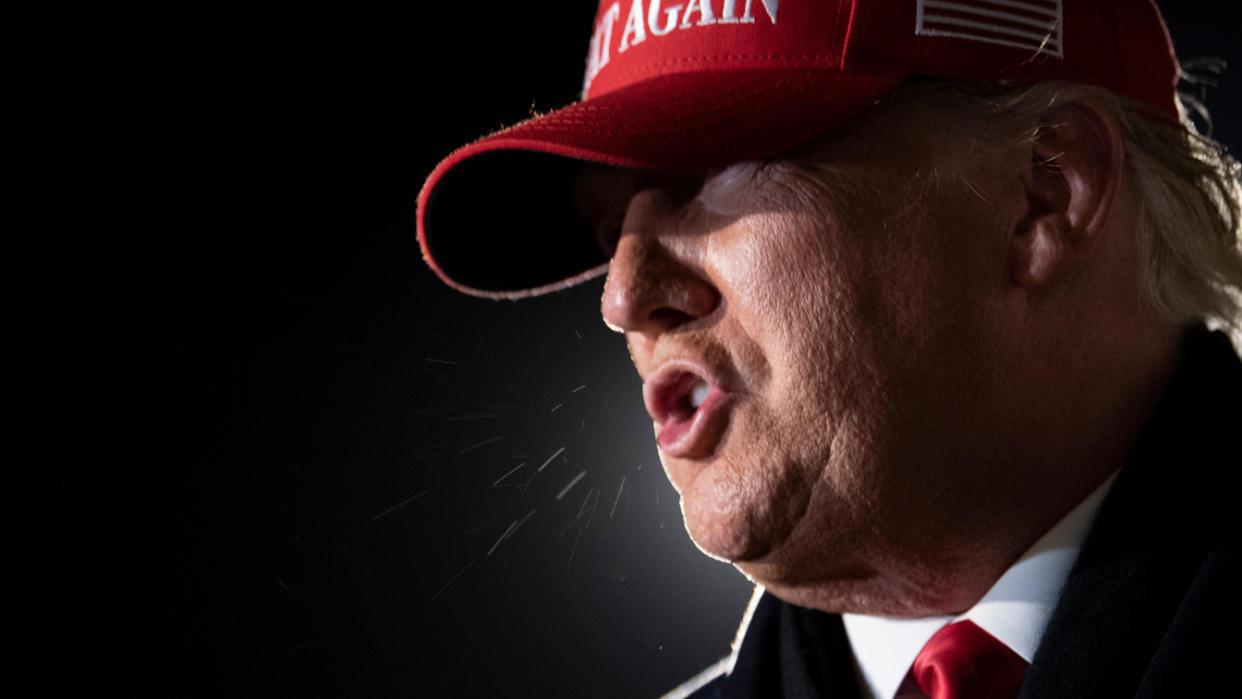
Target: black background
[290,440]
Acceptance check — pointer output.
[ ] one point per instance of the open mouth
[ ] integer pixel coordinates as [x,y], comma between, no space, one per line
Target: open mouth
[689,411]
[687,398]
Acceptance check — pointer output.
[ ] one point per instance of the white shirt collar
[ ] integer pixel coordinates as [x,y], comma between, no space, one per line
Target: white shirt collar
[1015,610]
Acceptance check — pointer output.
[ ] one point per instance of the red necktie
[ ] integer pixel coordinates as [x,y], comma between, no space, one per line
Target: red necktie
[962,661]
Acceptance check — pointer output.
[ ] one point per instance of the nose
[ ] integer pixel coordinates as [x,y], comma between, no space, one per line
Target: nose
[655,283]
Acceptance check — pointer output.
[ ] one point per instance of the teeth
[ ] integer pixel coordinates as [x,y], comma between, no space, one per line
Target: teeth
[698,393]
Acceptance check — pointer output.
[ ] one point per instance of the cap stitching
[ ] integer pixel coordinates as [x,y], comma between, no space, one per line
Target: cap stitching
[718,58]
[565,122]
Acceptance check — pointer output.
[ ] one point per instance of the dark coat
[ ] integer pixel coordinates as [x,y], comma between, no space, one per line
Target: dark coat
[1151,607]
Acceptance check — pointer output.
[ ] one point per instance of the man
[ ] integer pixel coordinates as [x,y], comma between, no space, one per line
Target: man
[916,291]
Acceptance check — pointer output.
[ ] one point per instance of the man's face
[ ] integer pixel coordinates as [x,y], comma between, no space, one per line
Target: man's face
[819,352]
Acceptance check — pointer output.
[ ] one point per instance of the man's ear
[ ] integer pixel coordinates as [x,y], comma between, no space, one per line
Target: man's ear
[1075,173]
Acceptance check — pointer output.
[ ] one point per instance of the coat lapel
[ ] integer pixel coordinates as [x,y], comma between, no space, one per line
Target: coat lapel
[789,652]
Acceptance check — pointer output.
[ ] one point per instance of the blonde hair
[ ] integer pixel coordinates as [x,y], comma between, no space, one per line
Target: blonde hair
[1185,183]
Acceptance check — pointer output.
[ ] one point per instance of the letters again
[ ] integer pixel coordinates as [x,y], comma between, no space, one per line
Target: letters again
[638,24]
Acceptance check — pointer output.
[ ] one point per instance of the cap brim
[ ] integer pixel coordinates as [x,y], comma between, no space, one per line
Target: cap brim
[495,218]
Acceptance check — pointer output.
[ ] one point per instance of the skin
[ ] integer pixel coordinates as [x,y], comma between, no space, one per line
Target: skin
[933,351]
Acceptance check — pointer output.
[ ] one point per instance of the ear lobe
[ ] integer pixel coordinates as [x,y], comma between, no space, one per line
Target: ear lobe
[1039,251]
[1076,165]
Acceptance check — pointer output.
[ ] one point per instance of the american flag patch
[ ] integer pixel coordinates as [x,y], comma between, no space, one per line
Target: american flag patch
[1034,25]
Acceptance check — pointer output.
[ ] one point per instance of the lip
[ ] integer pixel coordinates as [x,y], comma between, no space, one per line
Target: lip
[684,431]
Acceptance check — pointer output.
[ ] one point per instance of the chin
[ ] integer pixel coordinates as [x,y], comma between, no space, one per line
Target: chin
[722,539]
[735,523]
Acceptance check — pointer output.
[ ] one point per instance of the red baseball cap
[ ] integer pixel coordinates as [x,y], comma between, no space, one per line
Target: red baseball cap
[699,84]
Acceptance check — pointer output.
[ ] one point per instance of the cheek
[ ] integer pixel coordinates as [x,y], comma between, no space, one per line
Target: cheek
[811,323]
[788,329]
[781,276]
